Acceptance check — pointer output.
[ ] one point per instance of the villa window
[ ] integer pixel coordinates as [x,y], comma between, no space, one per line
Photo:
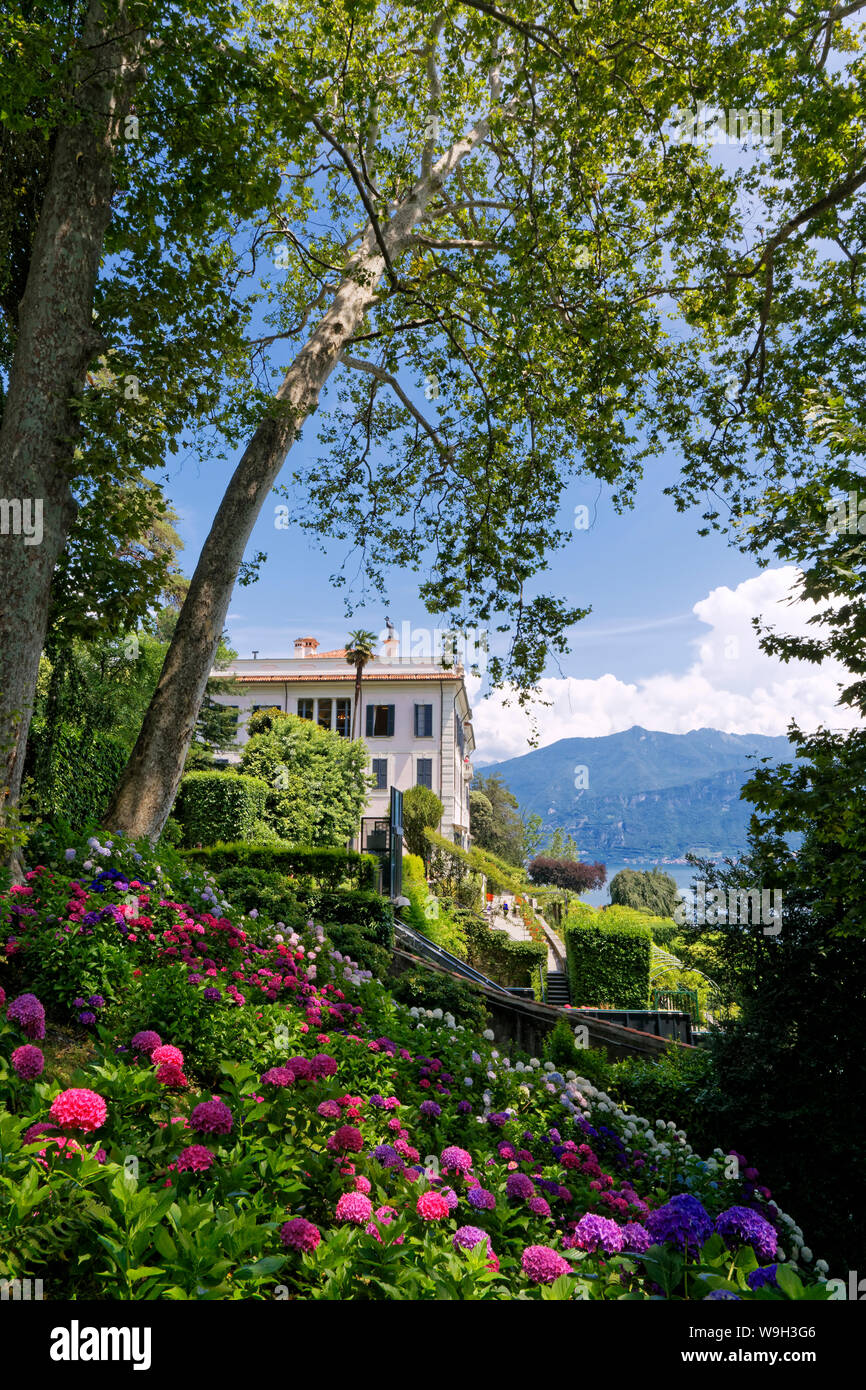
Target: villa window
[380,772]
[305,709]
[380,721]
[424,774]
[423,721]
[325,707]
[344,718]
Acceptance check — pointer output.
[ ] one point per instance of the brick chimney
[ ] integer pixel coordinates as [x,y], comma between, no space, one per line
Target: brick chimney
[306,646]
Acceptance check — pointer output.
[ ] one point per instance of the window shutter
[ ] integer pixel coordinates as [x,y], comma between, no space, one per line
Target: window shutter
[370,713]
[390,720]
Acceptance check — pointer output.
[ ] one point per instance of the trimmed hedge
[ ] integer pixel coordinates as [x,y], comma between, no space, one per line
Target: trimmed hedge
[326,865]
[608,967]
[507,962]
[213,806]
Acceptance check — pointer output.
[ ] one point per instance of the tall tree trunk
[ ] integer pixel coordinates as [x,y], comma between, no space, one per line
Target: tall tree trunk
[55,342]
[359,671]
[146,791]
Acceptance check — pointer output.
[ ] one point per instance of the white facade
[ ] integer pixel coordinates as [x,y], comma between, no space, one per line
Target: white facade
[414,717]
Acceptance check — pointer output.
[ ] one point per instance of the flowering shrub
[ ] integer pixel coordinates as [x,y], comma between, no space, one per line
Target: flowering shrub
[345,1146]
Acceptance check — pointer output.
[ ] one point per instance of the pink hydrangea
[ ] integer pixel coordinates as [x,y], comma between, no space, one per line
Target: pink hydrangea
[194,1159]
[28,1062]
[79,1109]
[363,1184]
[542,1265]
[329,1110]
[300,1234]
[211,1117]
[346,1139]
[171,1075]
[539,1206]
[278,1076]
[167,1053]
[432,1206]
[354,1207]
[146,1041]
[384,1216]
[323,1065]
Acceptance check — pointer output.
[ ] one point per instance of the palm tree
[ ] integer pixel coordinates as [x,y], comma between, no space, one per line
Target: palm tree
[359,650]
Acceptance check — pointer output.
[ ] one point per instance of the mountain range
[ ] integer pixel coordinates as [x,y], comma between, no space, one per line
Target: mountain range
[642,794]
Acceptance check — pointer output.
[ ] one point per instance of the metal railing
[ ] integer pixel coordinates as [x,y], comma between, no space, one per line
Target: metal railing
[423,946]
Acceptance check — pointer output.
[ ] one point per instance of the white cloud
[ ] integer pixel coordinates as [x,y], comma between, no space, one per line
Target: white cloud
[731,684]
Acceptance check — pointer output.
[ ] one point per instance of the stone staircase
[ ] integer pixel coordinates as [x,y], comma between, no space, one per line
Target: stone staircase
[558,992]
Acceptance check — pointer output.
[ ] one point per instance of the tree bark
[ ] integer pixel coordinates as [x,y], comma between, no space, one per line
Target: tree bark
[55,342]
[147,788]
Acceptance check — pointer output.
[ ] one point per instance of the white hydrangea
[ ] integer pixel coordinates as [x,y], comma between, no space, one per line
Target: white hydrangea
[549,1066]
[488,1034]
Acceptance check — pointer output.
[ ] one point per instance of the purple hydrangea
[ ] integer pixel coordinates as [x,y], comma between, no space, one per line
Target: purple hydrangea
[481,1199]
[28,1062]
[211,1117]
[760,1278]
[598,1233]
[211,994]
[636,1238]
[455,1160]
[498,1119]
[146,1041]
[387,1155]
[519,1185]
[430,1110]
[682,1222]
[742,1226]
[29,1014]
[467,1237]
[720,1295]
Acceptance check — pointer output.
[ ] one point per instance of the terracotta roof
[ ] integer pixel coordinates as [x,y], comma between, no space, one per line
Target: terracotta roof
[296,678]
[341,652]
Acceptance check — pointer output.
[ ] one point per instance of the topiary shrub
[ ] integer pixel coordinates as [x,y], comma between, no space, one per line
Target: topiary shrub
[317,780]
[214,806]
[422,810]
[609,967]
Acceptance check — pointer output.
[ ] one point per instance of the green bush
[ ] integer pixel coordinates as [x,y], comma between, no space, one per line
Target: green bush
[608,968]
[676,1086]
[422,810]
[325,865]
[428,914]
[317,781]
[560,1047]
[361,944]
[430,989]
[353,907]
[247,888]
[215,806]
[495,954]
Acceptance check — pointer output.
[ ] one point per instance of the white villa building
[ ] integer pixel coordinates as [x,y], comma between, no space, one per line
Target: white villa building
[414,718]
